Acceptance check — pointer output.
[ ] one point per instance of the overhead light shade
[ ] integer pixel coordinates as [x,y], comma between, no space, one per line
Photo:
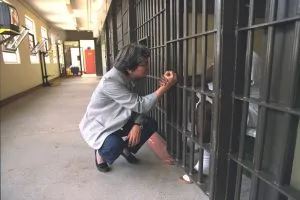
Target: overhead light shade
[80,22]
[75,4]
[69,7]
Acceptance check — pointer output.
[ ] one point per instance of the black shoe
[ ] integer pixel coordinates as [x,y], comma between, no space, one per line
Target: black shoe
[130,158]
[102,167]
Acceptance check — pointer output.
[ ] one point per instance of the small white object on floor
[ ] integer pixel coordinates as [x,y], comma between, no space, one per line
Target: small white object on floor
[186,179]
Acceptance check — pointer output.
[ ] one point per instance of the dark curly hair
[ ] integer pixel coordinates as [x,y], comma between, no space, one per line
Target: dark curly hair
[131,56]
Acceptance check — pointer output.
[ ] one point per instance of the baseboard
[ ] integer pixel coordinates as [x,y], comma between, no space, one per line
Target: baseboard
[22,94]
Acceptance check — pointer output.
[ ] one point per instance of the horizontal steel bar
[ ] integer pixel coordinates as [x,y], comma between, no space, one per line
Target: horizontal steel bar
[154,16]
[192,36]
[175,127]
[274,106]
[188,134]
[287,191]
[190,89]
[156,47]
[153,77]
[161,109]
[277,22]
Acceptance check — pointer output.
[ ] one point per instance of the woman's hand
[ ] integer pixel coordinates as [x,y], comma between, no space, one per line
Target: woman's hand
[168,79]
[163,81]
[171,78]
[134,135]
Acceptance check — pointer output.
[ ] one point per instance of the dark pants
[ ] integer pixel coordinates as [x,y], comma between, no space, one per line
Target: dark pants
[114,144]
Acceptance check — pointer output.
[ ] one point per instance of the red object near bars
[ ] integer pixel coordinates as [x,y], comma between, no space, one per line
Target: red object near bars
[90,61]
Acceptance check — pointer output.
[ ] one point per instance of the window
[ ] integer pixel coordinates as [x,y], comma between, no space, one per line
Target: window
[29,23]
[44,34]
[11,58]
[53,49]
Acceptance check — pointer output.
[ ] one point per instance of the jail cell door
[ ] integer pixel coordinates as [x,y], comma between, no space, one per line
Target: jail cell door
[150,31]
[265,137]
[191,111]
[181,36]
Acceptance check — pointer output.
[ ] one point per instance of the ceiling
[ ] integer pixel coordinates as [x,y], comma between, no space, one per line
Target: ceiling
[69,14]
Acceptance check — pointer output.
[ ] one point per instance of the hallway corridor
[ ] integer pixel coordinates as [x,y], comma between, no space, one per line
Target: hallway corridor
[44,157]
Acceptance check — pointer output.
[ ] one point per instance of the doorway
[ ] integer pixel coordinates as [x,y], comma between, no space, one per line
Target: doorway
[87,52]
[72,58]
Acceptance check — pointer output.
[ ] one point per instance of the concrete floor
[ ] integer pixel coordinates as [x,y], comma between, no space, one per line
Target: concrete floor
[44,157]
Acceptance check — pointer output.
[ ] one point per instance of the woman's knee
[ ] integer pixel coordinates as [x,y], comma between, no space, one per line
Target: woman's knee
[112,147]
[116,143]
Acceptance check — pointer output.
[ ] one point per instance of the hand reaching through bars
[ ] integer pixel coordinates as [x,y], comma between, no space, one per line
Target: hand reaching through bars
[168,79]
[163,81]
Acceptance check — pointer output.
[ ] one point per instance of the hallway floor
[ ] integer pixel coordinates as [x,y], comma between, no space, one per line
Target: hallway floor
[44,157]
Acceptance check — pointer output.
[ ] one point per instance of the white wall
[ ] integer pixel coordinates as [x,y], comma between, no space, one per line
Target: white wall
[16,78]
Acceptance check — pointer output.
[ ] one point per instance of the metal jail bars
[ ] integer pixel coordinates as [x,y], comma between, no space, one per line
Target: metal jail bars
[232,120]
[268,44]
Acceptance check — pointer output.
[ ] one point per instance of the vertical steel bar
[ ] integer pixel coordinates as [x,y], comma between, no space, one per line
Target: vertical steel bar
[216,101]
[161,28]
[155,49]
[107,41]
[132,21]
[137,19]
[295,65]
[258,152]
[193,65]
[171,58]
[140,19]
[147,19]
[114,30]
[233,169]
[166,61]
[203,84]
[185,75]
[178,56]
[245,93]
[122,25]
[143,18]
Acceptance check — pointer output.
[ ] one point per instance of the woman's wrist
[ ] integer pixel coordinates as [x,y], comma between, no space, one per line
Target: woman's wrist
[161,90]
